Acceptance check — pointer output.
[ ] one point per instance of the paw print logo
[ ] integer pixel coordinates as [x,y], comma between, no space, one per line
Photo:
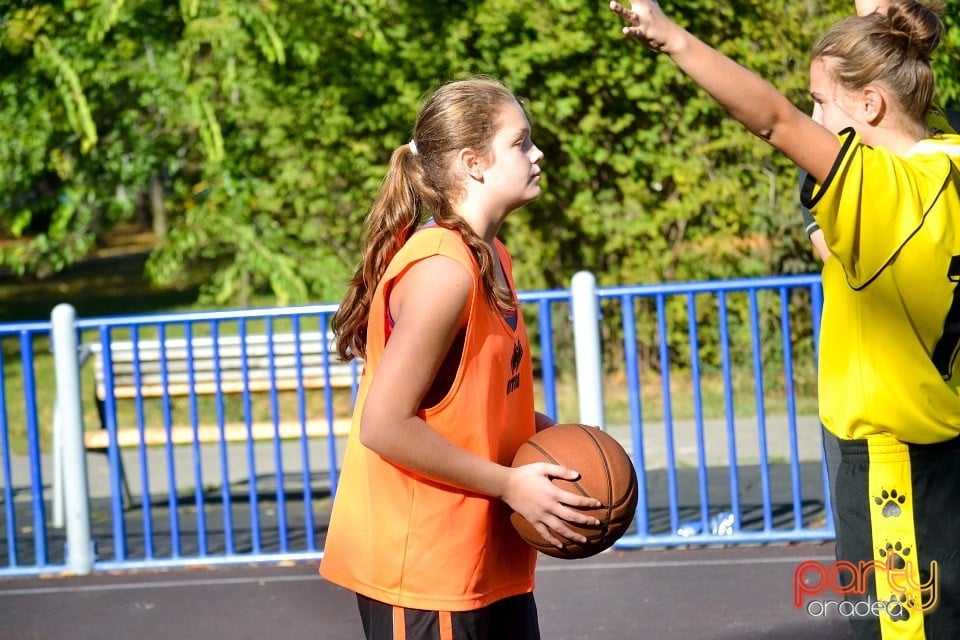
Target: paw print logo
[898,607]
[894,555]
[891,501]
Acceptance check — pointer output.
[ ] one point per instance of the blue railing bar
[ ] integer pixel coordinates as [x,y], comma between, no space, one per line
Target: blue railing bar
[33,448]
[328,406]
[741,537]
[277,451]
[253,495]
[667,412]
[548,295]
[208,561]
[10,514]
[113,451]
[10,329]
[308,520]
[816,310]
[355,371]
[145,502]
[27,571]
[548,376]
[191,317]
[199,500]
[709,286]
[757,348]
[172,497]
[698,410]
[636,408]
[225,493]
[787,347]
[729,410]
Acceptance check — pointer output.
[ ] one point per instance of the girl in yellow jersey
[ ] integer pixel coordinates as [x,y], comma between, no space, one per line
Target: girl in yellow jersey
[887,196]
[938,121]
[420,526]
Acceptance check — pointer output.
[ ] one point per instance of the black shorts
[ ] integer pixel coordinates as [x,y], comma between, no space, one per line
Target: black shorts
[898,523]
[514,618]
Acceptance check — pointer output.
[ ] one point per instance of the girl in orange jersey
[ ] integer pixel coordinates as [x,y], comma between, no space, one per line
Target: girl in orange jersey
[420,525]
[885,190]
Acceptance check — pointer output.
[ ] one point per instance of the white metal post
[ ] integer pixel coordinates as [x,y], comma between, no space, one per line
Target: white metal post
[57,469]
[79,551]
[586,338]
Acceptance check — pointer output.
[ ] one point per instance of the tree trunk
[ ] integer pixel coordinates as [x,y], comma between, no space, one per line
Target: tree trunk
[158,211]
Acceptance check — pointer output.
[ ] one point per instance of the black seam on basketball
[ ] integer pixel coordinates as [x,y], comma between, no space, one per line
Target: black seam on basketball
[606,470]
[630,489]
[543,451]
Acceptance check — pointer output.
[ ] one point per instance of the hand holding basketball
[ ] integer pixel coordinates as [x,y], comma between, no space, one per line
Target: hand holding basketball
[547,508]
[606,473]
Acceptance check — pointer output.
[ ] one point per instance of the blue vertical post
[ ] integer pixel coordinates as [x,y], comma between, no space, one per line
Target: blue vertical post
[79,552]
[586,338]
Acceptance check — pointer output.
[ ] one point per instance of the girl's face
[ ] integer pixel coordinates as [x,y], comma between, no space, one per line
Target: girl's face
[834,107]
[513,175]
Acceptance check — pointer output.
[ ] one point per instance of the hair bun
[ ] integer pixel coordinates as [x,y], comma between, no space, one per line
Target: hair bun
[919,24]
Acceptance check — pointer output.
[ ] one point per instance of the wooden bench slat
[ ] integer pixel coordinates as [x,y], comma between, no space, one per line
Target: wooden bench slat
[228,365]
[233,432]
[207,371]
[168,367]
[288,365]
[155,389]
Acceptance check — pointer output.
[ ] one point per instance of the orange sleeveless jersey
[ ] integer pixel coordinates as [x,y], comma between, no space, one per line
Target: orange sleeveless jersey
[408,541]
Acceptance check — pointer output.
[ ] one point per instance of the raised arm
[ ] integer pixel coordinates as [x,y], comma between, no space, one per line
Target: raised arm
[866,7]
[752,101]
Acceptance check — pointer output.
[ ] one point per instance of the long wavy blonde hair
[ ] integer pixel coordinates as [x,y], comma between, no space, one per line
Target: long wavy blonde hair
[459,115]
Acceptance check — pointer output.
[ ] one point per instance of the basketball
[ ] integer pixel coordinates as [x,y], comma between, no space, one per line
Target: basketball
[606,473]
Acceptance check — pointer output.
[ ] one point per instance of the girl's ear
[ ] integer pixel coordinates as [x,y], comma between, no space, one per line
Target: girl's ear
[873,104]
[472,163]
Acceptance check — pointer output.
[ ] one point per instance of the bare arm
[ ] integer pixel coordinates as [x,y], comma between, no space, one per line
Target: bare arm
[543,421]
[751,100]
[425,324]
[866,7]
[820,244]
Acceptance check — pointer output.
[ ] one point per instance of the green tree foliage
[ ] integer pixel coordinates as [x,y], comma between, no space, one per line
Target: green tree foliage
[252,136]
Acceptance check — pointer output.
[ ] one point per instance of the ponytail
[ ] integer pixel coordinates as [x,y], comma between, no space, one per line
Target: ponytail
[395,215]
[419,184]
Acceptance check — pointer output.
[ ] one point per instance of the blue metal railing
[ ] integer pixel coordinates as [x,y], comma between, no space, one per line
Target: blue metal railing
[697,518]
[722,469]
[31,523]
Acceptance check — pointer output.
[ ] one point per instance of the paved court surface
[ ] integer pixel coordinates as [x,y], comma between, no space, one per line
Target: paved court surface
[736,593]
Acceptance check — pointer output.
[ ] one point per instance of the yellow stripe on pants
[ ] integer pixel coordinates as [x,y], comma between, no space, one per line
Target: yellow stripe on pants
[899,594]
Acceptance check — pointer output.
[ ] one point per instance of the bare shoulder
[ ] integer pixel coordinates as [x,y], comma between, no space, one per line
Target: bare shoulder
[437,287]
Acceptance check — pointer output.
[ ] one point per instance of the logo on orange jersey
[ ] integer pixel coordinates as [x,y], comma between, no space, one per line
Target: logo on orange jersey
[514,382]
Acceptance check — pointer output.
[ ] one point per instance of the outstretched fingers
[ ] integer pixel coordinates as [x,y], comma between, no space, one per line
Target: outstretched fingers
[645,23]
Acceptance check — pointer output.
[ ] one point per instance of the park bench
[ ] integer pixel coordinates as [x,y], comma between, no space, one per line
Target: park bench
[204,366]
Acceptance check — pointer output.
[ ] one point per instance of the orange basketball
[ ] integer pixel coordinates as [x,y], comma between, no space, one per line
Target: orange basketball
[606,473]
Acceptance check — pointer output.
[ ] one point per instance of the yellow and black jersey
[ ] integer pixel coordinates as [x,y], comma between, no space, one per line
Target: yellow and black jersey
[939,121]
[891,317]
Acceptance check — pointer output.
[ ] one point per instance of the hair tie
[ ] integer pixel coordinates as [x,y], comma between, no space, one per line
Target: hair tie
[413,147]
